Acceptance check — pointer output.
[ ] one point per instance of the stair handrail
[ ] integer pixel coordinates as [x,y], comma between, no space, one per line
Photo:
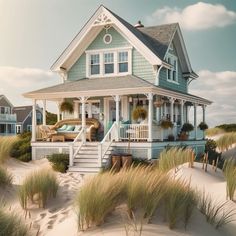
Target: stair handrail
[101,152]
[72,153]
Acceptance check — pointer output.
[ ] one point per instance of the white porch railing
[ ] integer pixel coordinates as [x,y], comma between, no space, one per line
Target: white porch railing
[107,141]
[72,153]
[134,132]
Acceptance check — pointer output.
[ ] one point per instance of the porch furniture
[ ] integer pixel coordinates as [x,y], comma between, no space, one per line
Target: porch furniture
[70,128]
[58,138]
[46,132]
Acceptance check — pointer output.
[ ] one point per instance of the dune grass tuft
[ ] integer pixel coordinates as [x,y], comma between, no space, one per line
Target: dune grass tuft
[38,187]
[11,224]
[97,198]
[6,144]
[229,170]
[175,156]
[215,213]
[5,177]
[214,131]
[226,141]
[143,189]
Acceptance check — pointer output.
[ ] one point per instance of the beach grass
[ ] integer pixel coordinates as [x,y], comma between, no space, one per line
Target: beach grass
[229,170]
[6,144]
[5,177]
[226,141]
[11,224]
[214,131]
[174,157]
[217,214]
[38,187]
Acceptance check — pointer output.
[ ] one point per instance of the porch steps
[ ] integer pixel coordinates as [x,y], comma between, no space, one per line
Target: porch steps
[86,161]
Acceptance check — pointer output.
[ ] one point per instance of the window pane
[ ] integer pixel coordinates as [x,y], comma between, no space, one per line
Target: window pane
[169,74]
[109,68]
[95,69]
[94,59]
[174,75]
[123,56]
[108,58]
[123,67]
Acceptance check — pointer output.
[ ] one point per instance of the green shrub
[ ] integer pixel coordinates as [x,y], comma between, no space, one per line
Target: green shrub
[203,126]
[60,162]
[187,127]
[6,144]
[41,184]
[11,224]
[5,177]
[227,127]
[21,149]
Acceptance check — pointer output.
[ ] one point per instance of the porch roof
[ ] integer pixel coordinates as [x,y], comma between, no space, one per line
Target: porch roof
[123,85]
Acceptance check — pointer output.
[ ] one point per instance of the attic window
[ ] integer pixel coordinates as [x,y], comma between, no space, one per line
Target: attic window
[172,73]
[107,38]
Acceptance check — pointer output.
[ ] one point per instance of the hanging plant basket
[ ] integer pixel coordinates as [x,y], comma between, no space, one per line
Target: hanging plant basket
[67,107]
[166,124]
[139,113]
[187,127]
[203,126]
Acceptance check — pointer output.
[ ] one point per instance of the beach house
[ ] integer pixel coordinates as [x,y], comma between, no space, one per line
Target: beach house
[130,84]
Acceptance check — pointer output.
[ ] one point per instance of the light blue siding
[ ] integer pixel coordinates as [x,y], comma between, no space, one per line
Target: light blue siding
[142,68]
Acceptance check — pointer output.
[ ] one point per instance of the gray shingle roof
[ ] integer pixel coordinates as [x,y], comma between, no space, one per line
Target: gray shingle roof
[156,38]
[21,112]
[122,82]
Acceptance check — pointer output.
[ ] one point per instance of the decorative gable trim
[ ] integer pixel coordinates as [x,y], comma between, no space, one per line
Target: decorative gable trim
[102,17]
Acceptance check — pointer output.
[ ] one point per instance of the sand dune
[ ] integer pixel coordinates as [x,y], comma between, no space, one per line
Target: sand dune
[59,218]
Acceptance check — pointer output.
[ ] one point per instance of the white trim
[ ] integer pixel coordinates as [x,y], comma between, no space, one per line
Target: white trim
[145,51]
[173,59]
[101,53]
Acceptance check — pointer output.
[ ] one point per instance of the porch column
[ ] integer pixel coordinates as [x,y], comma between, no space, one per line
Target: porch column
[204,113]
[58,111]
[187,114]
[195,120]
[171,109]
[83,100]
[182,112]
[44,112]
[150,116]
[117,100]
[33,138]
[164,110]
[76,110]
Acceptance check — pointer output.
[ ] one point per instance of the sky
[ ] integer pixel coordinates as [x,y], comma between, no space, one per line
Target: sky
[33,33]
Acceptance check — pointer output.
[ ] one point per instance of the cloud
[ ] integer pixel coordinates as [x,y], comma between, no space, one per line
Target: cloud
[218,87]
[15,81]
[199,16]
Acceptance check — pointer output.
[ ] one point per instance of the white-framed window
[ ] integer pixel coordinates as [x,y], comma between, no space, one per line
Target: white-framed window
[108,62]
[94,64]
[123,62]
[5,110]
[18,129]
[172,73]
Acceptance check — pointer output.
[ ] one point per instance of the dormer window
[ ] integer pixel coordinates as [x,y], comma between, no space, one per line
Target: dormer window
[172,73]
[109,62]
[94,64]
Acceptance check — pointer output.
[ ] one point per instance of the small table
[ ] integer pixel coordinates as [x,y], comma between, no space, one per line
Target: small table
[58,138]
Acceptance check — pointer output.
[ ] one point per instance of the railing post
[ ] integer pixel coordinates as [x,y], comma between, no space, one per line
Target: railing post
[71,147]
[100,154]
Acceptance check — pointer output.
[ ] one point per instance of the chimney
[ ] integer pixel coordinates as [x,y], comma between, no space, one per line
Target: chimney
[139,25]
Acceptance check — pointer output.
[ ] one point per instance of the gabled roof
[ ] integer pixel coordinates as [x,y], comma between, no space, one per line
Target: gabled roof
[2,96]
[22,112]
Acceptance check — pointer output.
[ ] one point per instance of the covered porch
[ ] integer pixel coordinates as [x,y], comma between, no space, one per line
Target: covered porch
[115,99]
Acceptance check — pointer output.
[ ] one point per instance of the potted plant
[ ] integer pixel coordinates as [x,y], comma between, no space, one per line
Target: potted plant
[67,107]
[139,113]
[186,128]
[203,126]
[166,124]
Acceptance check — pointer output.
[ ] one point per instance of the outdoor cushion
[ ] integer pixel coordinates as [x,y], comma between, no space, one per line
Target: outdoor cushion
[77,128]
[62,128]
[70,128]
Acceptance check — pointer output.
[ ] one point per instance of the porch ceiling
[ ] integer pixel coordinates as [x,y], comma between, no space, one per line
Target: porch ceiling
[109,86]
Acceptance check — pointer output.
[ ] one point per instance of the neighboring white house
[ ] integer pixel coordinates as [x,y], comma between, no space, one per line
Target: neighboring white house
[108,69]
